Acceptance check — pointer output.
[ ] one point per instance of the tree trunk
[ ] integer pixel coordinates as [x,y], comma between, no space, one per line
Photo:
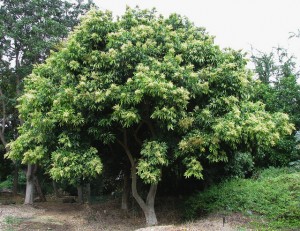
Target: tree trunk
[29,185]
[150,215]
[55,189]
[126,190]
[80,194]
[88,193]
[148,207]
[39,189]
[16,179]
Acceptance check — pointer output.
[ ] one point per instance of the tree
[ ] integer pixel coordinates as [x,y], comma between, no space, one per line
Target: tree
[156,88]
[273,66]
[279,90]
[28,30]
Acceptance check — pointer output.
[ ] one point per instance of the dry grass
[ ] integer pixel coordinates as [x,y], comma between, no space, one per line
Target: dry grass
[107,216]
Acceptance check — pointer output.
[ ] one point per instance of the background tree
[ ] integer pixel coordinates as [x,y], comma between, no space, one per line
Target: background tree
[157,88]
[280,91]
[29,29]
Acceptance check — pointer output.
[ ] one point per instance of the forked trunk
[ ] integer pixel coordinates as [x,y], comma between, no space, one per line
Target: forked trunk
[29,196]
[148,206]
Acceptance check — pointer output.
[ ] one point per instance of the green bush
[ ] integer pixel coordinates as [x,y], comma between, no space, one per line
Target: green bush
[8,183]
[275,195]
[240,165]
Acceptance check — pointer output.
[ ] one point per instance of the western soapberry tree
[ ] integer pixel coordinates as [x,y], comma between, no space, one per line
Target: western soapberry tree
[158,88]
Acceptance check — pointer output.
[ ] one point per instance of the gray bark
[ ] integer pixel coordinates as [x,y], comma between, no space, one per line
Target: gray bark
[148,206]
[29,196]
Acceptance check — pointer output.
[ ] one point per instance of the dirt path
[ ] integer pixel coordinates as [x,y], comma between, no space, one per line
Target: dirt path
[106,216]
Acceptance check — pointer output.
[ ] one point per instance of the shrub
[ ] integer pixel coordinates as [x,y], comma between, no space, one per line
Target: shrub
[275,195]
[8,183]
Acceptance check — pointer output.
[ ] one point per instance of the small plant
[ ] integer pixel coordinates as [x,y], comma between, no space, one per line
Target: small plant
[11,222]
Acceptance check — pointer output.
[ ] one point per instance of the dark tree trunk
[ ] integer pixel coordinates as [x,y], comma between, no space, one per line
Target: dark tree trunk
[29,196]
[55,189]
[88,193]
[80,194]
[126,190]
[39,189]
[16,179]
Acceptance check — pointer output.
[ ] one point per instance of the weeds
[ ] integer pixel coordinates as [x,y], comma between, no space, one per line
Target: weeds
[274,195]
[11,222]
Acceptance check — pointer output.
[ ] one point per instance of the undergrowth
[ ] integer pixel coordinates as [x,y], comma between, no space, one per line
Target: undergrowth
[272,195]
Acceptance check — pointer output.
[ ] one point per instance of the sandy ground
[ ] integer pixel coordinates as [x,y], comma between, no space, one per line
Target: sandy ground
[106,216]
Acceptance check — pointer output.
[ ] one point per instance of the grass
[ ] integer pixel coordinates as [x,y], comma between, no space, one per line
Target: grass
[11,222]
[273,197]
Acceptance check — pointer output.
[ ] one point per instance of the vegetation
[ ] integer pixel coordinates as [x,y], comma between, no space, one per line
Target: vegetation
[154,90]
[150,102]
[28,30]
[273,195]
[279,90]
[8,182]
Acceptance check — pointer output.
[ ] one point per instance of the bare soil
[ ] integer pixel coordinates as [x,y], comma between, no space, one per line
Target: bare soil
[55,215]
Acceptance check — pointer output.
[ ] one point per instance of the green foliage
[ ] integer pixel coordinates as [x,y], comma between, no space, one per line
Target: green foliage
[28,30]
[150,85]
[11,220]
[274,195]
[8,183]
[273,66]
[240,165]
[75,165]
[153,157]
[11,223]
[279,91]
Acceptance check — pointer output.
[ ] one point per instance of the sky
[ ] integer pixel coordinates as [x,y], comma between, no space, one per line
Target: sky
[239,24]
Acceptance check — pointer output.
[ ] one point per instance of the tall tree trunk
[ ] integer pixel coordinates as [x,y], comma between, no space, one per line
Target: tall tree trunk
[29,196]
[80,194]
[126,189]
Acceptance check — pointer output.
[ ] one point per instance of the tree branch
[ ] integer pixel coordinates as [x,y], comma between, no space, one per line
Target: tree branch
[135,135]
[124,144]
[151,128]
[135,193]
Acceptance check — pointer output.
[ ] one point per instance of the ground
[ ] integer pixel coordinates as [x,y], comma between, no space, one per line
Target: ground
[58,216]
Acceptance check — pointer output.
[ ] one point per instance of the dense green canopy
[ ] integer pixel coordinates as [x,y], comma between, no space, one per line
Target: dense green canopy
[157,87]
